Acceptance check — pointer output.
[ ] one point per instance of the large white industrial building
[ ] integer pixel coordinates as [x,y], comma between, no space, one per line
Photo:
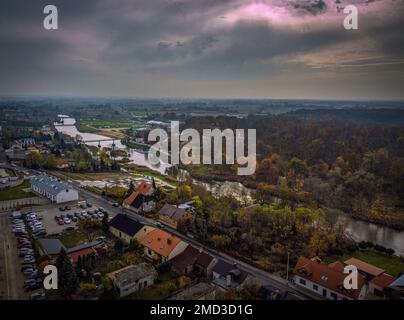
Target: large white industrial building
[53,189]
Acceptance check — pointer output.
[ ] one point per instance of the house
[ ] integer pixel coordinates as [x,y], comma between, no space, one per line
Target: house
[141,200]
[16,152]
[62,163]
[378,285]
[367,270]
[230,276]
[83,250]
[126,229]
[160,246]
[172,215]
[396,289]
[132,279]
[199,291]
[326,280]
[53,189]
[50,247]
[192,259]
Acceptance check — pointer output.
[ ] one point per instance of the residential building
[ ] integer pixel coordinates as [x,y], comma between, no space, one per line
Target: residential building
[83,250]
[160,246]
[16,152]
[367,270]
[172,215]
[193,259]
[132,279]
[126,229]
[378,285]
[230,276]
[326,280]
[141,200]
[396,289]
[53,189]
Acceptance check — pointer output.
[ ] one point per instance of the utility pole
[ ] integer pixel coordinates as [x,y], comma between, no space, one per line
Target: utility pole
[287,269]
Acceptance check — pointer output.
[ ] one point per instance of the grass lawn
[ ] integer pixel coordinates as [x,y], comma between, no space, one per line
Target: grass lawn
[392,265]
[16,192]
[74,238]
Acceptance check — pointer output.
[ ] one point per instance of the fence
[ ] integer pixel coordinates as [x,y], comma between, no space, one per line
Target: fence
[19,203]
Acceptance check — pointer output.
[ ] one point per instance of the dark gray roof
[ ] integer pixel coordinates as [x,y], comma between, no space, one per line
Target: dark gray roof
[83,246]
[399,282]
[50,184]
[51,246]
[125,224]
[173,212]
[224,268]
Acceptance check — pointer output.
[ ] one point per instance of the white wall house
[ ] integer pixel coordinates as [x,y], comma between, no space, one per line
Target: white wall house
[53,189]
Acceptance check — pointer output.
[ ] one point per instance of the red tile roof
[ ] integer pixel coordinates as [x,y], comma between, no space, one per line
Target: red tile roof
[129,200]
[365,267]
[318,272]
[160,242]
[75,255]
[383,281]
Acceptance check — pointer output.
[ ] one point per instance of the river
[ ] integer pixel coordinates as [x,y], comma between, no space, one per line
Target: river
[358,230]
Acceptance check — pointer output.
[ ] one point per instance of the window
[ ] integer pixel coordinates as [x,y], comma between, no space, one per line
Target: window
[333,295]
[315,287]
[302,281]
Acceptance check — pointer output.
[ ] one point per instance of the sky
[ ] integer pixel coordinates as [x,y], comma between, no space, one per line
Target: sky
[286,49]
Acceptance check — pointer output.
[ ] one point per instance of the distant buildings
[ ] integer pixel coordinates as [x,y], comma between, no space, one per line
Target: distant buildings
[141,200]
[229,276]
[132,279]
[53,189]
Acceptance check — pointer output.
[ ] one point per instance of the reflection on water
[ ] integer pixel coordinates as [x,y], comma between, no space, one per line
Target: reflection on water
[68,127]
[365,231]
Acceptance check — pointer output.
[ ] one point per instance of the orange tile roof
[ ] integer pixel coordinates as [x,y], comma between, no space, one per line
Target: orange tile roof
[337,265]
[129,200]
[383,281]
[364,267]
[160,242]
[144,188]
[326,276]
[75,255]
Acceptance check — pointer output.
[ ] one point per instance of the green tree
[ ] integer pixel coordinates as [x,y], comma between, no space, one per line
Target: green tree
[67,278]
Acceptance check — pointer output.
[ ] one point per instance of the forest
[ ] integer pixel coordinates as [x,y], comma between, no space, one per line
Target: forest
[353,166]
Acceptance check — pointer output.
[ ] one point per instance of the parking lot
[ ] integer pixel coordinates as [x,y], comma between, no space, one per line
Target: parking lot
[70,216]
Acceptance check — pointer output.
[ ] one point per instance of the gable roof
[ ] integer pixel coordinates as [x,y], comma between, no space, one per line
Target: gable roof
[160,242]
[125,224]
[144,188]
[204,259]
[318,272]
[83,246]
[399,282]
[129,200]
[83,252]
[49,184]
[185,258]
[173,212]
[383,281]
[365,267]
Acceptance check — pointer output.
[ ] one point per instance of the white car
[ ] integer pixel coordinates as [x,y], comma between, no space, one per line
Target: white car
[67,220]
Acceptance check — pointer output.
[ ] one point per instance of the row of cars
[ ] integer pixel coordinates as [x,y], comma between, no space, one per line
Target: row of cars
[69,218]
[26,251]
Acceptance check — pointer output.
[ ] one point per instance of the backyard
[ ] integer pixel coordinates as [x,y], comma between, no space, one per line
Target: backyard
[16,192]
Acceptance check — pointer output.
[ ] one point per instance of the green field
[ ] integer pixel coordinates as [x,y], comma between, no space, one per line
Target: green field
[16,192]
[392,265]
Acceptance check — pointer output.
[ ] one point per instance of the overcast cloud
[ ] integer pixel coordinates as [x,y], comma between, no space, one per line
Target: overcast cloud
[203,48]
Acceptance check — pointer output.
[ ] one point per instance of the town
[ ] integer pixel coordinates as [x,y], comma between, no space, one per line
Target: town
[120,230]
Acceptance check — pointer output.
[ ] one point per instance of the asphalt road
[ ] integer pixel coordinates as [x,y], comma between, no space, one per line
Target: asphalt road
[264,277]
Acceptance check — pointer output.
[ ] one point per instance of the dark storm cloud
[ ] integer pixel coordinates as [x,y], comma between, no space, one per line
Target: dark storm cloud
[113,47]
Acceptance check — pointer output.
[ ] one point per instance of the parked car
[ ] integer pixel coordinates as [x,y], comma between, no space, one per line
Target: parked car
[33,287]
[115,204]
[38,296]
[77,214]
[61,222]
[67,208]
[89,205]
[101,238]
[61,209]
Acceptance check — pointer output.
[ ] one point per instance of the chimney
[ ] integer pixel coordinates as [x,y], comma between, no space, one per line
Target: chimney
[228,280]
[169,241]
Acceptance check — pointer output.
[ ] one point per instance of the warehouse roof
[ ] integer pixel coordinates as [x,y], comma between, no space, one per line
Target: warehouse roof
[49,184]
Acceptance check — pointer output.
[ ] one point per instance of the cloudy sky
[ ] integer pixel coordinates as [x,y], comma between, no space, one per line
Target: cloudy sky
[203,48]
